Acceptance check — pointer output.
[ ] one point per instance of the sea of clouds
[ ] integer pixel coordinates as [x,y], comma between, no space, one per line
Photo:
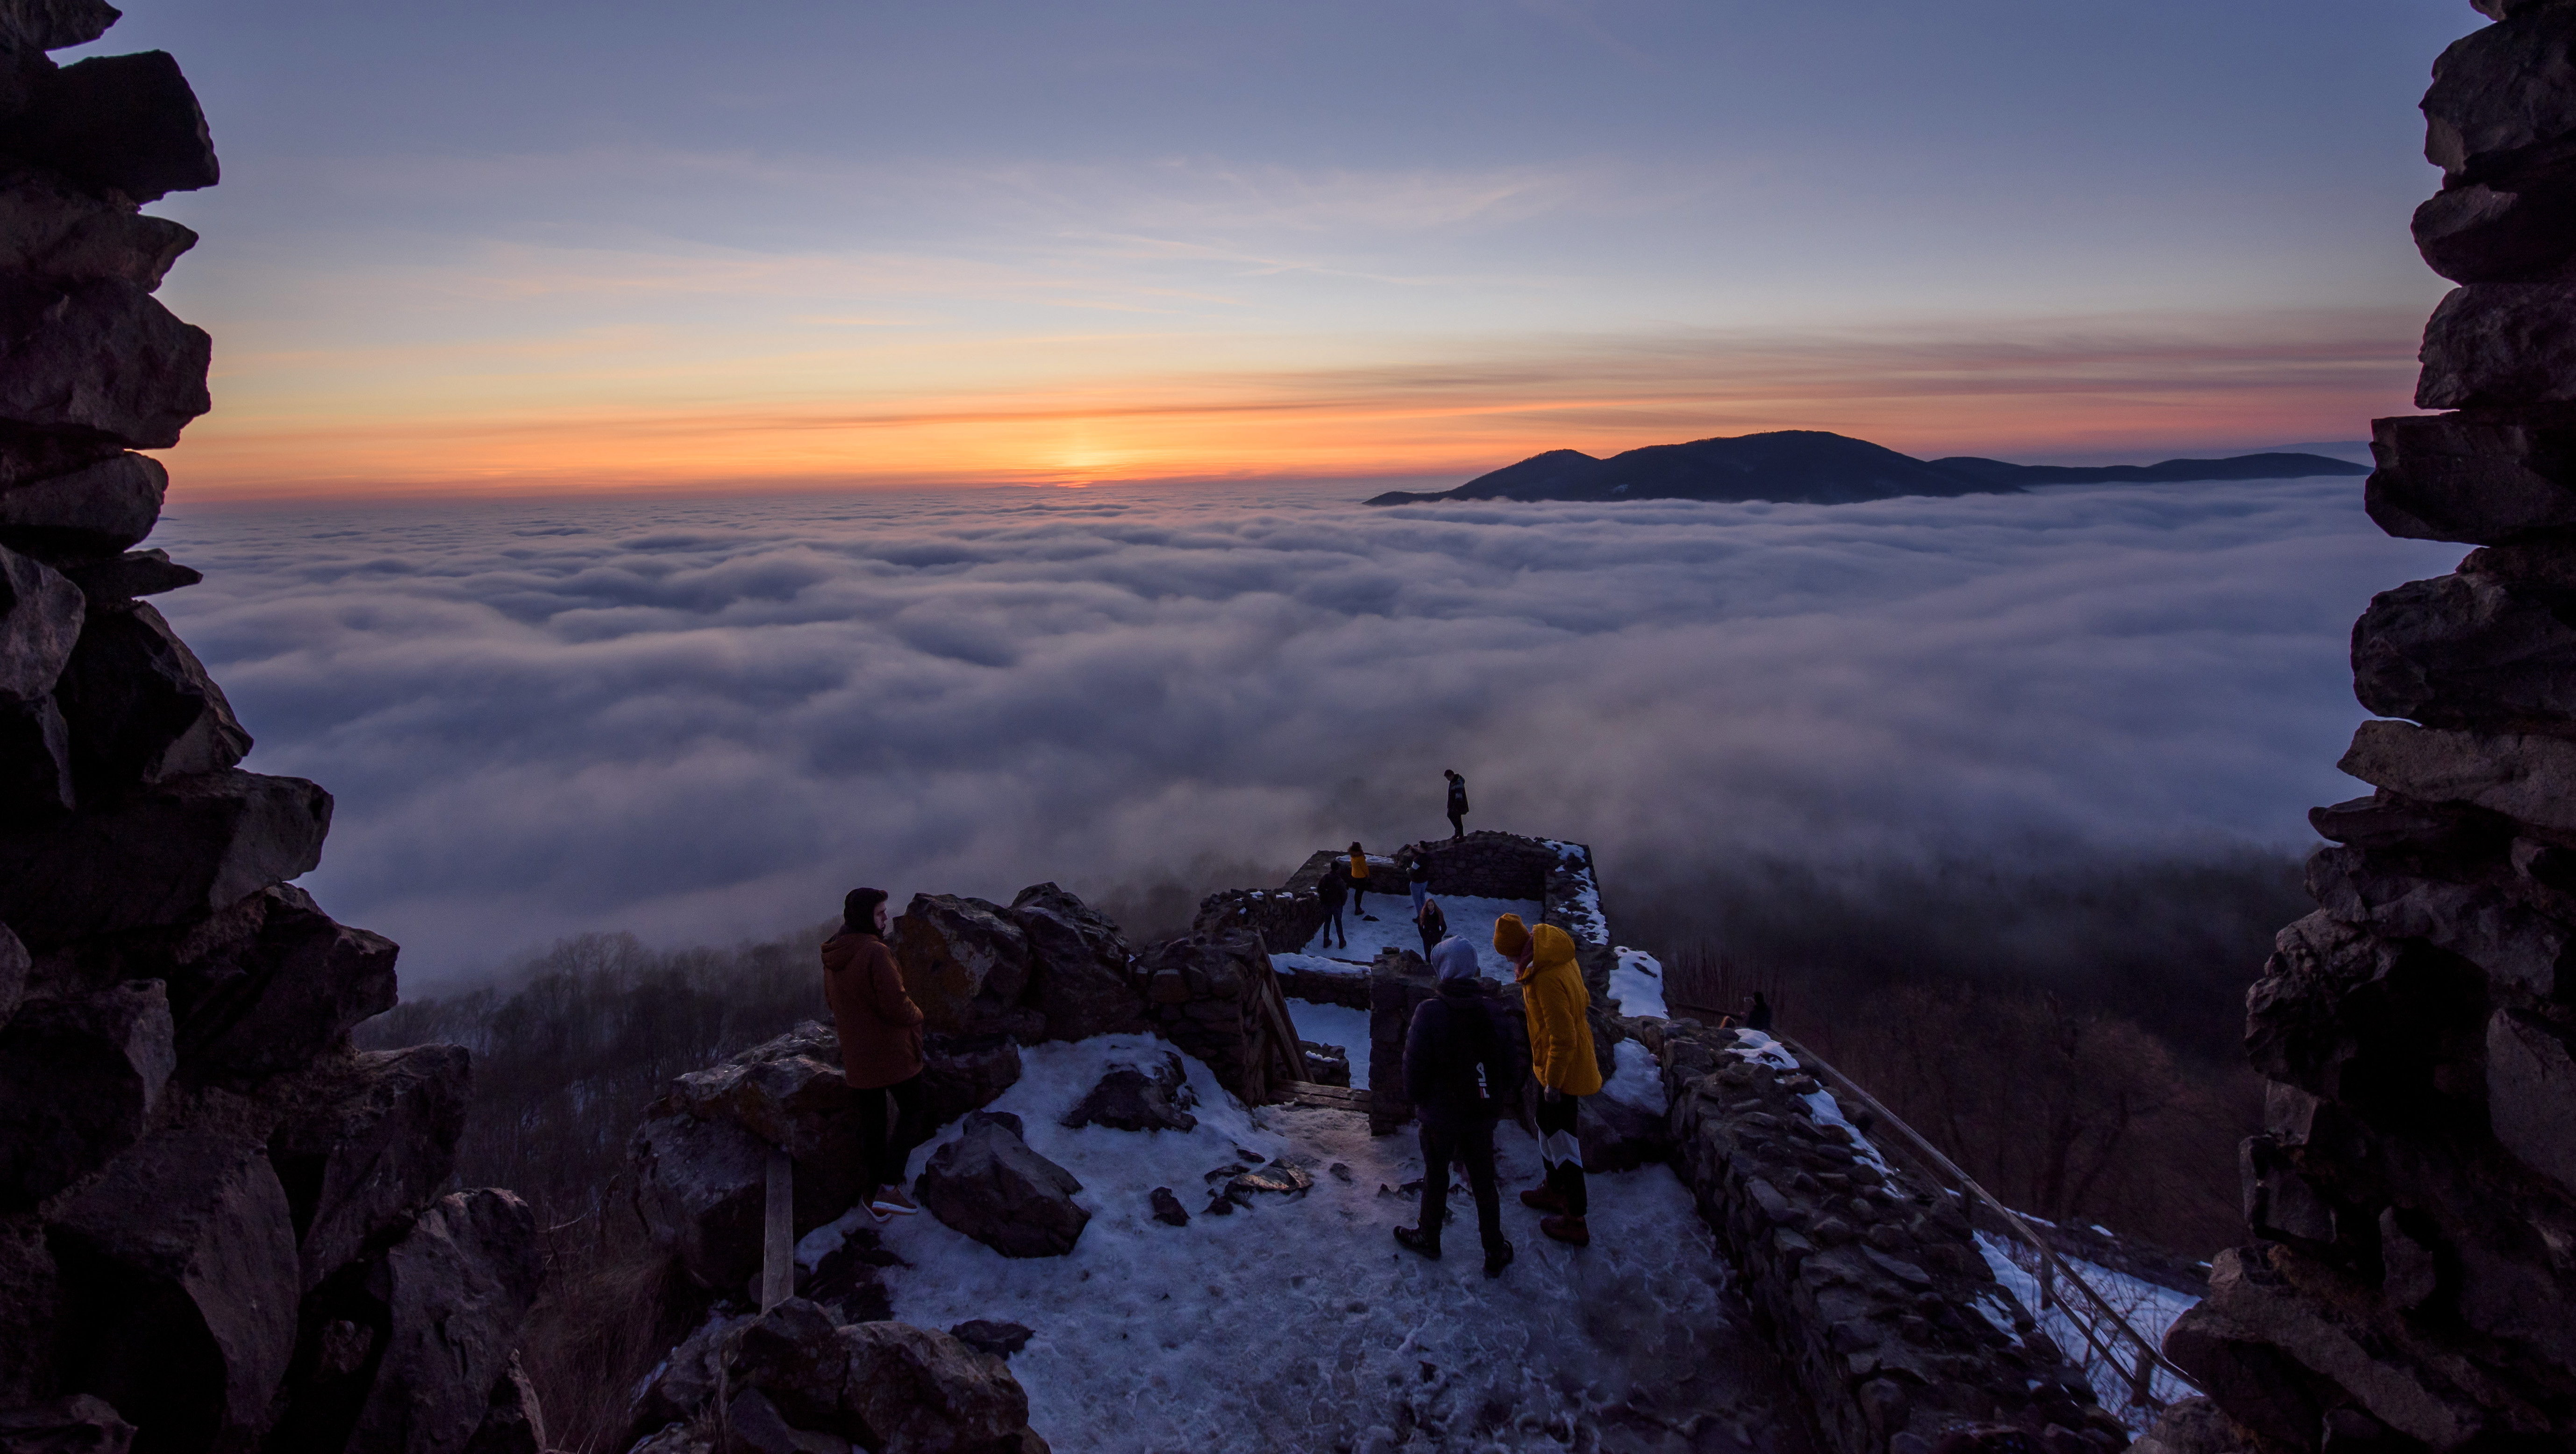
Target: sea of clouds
[699,719]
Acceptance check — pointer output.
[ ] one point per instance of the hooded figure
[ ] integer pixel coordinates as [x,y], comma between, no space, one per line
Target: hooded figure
[1458,1072]
[1561,1058]
[1457,804]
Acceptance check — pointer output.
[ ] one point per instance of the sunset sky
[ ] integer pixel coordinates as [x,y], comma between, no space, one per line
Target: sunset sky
[571,246]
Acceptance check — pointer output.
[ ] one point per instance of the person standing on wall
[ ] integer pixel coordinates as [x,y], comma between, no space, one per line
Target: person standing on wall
[880,1030]
[1759,1017]
[1457,1072]
[1457,804]
[1360,885]
[1561,1056]
[1434,924]
[1330,891]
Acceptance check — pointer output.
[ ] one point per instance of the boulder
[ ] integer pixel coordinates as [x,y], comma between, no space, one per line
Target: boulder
[54,24]
[127,124]
[2513,229]
[164,854]
[98,360]
[81,1080]
[364,1144]
[179,1288]
[889,1387]
[2479,476]
[986,1336]
[456,1290]
[2496,344]
[124,577]
[141,707]
[30,1303]
[1326,1064]
[989,1185]
[686,1378]
[753,1425]
[51,230]
[81,1424]
[96,509]
[14,967]
[2503,95]
[1168,1209]
[962,1073]
[514,1422]
[699,1189]
[271,1000]
[40,623]
[2531,1093]
[1151,1096]
[2476,916]
[849,1281]
[2473,651]
[788,1095]
[782,1093]
[966,963]
[1078,966]
[2522,777]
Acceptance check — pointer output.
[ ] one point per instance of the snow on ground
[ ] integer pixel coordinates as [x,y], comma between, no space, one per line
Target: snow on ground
[2143,1305]
[1469,919]
[1637,983]
[1298,1324]
[1638,1080]
[1336,1025]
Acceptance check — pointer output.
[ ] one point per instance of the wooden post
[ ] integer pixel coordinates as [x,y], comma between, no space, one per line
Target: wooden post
[778,1233]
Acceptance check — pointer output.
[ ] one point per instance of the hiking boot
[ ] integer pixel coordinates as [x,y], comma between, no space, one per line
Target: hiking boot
[1568,1230]
[1497,1257]
[1414,1239]
[1544,1199]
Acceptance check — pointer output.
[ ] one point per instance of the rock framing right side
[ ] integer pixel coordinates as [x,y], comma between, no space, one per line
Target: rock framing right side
[2412,1200]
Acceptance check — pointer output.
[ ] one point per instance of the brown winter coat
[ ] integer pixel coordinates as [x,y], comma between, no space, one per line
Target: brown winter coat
[880,1026]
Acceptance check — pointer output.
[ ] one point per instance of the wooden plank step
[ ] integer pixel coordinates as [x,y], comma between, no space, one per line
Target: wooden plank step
[1322,1097]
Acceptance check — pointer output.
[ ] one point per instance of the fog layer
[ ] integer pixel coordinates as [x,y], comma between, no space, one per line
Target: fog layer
[706,718]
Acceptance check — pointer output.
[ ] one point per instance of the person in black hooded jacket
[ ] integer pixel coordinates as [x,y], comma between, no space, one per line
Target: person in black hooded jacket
[1459,1073]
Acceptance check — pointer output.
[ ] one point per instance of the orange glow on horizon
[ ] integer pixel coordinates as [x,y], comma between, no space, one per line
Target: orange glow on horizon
[1370,421]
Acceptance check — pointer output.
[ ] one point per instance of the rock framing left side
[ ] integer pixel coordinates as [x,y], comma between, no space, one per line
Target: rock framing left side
[221,1228]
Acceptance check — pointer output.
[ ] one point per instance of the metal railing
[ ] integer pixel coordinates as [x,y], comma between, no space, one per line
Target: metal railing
[2103,1327]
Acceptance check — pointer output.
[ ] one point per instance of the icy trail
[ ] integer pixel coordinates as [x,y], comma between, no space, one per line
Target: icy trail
[1297,1324]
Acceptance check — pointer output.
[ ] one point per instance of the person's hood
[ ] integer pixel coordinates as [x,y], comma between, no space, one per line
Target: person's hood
[1554,950]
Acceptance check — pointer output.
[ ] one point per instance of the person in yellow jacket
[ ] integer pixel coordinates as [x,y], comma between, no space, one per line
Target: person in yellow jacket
[1561,1057]
[1359,877]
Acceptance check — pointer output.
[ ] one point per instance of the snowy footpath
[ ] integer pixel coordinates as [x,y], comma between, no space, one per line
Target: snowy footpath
[1296,1323]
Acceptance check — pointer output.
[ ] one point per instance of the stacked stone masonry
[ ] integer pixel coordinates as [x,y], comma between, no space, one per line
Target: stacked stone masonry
[2411,1204]
[220,1227]
[1872,1288]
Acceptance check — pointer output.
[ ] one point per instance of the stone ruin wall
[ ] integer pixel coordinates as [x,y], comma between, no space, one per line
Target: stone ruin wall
[2412,1200]
[1870,1286]
[220,1227]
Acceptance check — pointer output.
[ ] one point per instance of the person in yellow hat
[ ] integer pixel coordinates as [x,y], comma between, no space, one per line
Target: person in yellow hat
[1561,1057]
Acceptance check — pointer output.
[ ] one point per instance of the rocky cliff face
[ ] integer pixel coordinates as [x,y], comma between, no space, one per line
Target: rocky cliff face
[2413,1201]
[220,1227]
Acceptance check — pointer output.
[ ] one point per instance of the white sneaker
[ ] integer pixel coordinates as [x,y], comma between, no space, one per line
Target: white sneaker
[893,1204]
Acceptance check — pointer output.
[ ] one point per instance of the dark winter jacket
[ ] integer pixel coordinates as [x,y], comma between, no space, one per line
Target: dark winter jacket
[1458,796]
[1435,924]
[1458,1064]
[1332,888]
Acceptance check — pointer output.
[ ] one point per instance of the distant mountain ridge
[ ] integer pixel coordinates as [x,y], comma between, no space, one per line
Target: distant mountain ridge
[1815,467]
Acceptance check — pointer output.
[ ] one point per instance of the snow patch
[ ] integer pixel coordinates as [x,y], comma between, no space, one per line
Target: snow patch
[1637,983]
[1336,1025]
[1471,919]
[2145,1306]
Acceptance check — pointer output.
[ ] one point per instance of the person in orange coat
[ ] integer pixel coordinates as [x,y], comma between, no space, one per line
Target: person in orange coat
[880,1029]
[1561,1057]
[1359,877]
